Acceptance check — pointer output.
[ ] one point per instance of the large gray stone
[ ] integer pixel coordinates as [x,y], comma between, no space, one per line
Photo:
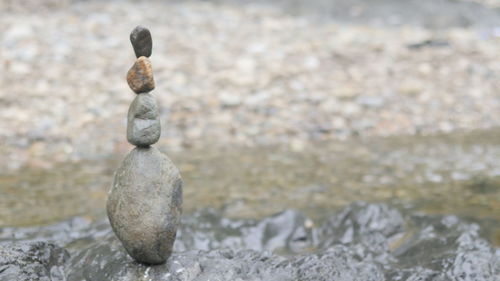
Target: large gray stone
[143,128]
[145,204]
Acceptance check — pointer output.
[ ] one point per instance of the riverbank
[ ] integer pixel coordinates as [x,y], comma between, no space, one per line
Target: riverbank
[243,75]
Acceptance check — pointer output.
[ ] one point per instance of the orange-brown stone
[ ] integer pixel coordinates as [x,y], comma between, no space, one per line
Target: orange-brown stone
[140,76]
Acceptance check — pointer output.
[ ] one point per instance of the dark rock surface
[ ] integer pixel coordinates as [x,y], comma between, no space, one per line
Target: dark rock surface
[145,204]
[142,42]
[39,261]
[338,263]
[362,242]
[143,121]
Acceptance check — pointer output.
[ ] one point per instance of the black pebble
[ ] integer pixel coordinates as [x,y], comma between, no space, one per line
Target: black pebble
[141,41]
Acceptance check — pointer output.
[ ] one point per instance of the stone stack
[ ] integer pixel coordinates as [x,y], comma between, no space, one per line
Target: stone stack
[145,201]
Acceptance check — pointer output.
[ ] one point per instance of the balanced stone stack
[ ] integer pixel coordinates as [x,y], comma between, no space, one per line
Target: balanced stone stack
[145,201]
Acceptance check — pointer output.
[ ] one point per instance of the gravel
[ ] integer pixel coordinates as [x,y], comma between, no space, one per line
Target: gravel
[231,74]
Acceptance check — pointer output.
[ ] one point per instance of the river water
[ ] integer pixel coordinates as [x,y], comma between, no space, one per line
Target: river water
[456,173]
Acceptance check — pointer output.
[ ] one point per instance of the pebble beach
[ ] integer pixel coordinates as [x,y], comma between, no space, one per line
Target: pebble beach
[226,74]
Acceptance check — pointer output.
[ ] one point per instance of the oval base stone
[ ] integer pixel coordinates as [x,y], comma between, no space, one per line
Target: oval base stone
[145,204]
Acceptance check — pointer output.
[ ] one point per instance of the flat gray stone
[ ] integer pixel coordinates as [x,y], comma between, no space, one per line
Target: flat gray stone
[142,42]
[145,204]
[143,122]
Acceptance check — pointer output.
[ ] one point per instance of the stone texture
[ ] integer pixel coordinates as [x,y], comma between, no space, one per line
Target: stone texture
[252,59]
[145,204]
[143,122]
[39,261]
[140,76]
[361,242]
[142,42]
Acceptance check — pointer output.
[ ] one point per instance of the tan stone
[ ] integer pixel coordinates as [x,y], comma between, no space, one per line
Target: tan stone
[140,76]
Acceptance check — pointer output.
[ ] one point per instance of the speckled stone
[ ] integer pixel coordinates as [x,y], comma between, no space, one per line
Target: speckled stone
[145,204]
[143,121]
[142,42]
[140,76]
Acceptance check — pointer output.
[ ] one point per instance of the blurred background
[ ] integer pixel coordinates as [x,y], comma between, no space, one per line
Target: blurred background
[265,105]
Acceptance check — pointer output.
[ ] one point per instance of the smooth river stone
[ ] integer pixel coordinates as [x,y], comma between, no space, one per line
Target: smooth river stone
[142,42]
[140,76]
[143,121]
[145,204]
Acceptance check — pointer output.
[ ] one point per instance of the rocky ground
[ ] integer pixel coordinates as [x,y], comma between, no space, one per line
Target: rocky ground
[239,74]
[262,78]
[365,242]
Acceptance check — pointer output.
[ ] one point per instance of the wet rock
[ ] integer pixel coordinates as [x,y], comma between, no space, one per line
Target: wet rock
[361,221]
[445,248]
[140,76]
[142,42]
[145,204]
[143,121]
[362,242]
[285,233]
[338,263]
[32,261]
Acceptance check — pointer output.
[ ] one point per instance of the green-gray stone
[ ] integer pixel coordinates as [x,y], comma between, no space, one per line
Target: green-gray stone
[145,204]
[143,122]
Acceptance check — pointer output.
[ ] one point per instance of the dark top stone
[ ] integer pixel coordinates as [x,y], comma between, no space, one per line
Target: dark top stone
[141,41]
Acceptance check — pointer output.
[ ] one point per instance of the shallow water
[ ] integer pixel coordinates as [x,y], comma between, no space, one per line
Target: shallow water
[320,235]
[457,174]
